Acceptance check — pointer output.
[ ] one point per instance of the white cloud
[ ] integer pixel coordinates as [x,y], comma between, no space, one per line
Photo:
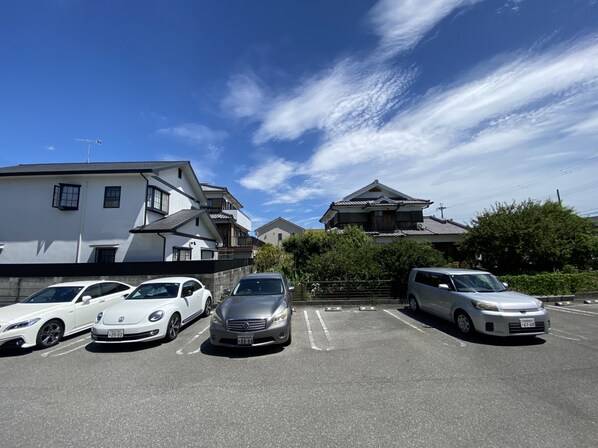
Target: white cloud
[270,174]
[401,24]
[50,148]
[194,134]
[245,97]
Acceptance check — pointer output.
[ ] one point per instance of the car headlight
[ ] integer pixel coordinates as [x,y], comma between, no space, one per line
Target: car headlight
[156,316]
[216,319]
[485,306]
[24,324]
[280,316]
[99,317]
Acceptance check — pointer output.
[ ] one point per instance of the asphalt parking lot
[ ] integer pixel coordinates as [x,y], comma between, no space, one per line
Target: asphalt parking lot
[350,378]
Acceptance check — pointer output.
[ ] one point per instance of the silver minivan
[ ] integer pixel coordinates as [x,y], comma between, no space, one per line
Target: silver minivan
[476,301]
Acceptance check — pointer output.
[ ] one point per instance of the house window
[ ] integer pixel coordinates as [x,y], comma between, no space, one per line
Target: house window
[180,173]
[379,213]
[280,237]
[112,197]
[105,254]
[157,200]
[181,254]
[66,197]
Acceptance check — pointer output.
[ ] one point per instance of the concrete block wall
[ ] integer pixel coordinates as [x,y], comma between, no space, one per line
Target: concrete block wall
[14,289]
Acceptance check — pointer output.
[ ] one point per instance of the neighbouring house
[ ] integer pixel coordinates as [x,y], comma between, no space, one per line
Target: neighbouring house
[387,214]
[232,224]
[104,213]
[277,230]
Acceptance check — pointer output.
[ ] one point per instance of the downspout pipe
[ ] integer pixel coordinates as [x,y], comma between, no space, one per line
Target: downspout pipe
[145,200]
[163,246]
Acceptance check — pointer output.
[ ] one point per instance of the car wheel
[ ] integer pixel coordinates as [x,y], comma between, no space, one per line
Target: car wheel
[413,305]
[50,333]
[208,309]
[173,328]
[464,323]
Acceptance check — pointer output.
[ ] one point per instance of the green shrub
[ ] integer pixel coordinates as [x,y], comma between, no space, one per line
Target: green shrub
[550,284]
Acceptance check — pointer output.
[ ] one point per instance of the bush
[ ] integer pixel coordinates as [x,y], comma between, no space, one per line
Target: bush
[550,284]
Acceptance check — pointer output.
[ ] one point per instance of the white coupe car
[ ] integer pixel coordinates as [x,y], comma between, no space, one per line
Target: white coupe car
[156,309]
[59,310]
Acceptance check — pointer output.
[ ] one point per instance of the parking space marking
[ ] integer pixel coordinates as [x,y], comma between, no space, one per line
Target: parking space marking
[574,337]
[434,330]
[180,351]
[404,321]
[61,347]
[572,310]
[310,332]
[326,332]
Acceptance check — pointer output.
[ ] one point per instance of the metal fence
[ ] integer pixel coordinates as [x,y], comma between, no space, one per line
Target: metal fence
[364,291]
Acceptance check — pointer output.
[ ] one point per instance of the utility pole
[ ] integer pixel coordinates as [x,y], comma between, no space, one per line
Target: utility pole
[558,196]
[89,142]
[441,208]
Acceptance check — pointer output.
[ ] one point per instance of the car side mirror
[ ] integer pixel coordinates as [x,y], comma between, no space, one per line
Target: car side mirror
[291,288]
[444,286]
[506,285]
[86,299]
[126,295]
[188,293]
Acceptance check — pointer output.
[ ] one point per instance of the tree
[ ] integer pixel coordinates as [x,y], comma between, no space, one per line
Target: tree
[530,237]
[350,256]
[399,257]
[303,247]
[269,258]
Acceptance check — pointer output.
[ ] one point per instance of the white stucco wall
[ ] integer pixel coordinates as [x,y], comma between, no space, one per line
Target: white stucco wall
[32,231]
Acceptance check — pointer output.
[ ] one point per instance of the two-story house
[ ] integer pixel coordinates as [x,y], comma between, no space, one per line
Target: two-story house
[104,212]
[277,230]
[232,224]
[387,214]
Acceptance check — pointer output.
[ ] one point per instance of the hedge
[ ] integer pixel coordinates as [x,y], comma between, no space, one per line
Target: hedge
[551,284]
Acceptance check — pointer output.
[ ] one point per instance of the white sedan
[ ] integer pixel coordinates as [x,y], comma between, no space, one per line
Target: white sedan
[59,310]
[156,309]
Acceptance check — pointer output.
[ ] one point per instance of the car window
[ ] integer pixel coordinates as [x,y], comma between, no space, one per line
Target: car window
[478,283]
[262,286]
[190,287]
[54,294]
[110,288]
[93,291]
[154,291]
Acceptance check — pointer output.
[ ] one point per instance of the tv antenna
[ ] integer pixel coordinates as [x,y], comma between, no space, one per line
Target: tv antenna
[442,208]
[89,142]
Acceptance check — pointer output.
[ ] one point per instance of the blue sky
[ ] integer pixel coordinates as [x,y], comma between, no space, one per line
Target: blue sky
[295,104]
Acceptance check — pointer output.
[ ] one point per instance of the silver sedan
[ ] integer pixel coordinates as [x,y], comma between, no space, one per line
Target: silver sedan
[257,312]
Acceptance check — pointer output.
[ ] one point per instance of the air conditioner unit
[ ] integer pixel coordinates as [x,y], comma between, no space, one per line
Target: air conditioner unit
[420,226]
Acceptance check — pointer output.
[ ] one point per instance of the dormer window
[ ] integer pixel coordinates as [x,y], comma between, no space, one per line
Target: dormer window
[66,197]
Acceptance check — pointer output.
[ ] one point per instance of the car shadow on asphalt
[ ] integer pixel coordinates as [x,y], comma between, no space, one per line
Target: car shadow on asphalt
[238,353]
[430,321]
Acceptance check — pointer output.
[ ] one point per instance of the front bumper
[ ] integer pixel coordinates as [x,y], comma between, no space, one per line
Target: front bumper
[278,333]
[510,323]
[131,333]
[24,337]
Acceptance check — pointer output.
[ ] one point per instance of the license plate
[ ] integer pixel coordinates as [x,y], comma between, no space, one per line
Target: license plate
[245,340]
[116,333]
[527,322]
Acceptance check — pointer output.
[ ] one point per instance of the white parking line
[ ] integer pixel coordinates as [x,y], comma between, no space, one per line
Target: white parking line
[442,333]
[326,332]
[49,352]
[180,351]
[309,332]
[576,336]
[572,310]
[70,351]
[404,321]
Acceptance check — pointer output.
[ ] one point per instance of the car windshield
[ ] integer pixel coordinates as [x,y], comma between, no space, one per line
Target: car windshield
[477,283]
[154,291]
[259,287]
[54,294]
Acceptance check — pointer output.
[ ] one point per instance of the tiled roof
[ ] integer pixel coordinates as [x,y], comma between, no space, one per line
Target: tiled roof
[382,204]
[432,226]
[206,187]
[169,223]
[93,167]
